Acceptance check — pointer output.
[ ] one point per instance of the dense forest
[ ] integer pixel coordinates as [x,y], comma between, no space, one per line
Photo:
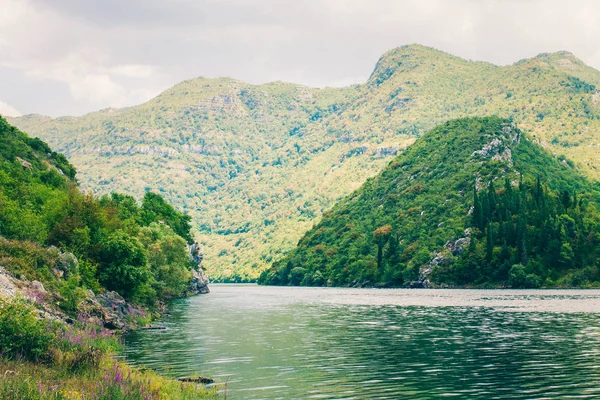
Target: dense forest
[474,202]
[257,165]
[71,241]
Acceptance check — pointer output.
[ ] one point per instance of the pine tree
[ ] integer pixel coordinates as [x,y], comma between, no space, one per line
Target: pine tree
[477,211]
[489,245]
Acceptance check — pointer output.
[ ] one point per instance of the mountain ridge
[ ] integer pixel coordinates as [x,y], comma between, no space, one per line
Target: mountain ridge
[256,165]
[386,54]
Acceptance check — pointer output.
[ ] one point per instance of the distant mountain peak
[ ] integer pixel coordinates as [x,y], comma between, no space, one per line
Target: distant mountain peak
[412,56]
[561,59]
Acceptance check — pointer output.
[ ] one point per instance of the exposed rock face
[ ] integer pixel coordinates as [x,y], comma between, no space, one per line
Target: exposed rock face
[108,309]
[199,283]
[25,163]
[7,286]
[114,311]
[451,248]
[498,149]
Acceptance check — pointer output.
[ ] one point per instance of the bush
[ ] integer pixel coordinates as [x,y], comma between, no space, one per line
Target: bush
[518,278]
[22,334]
[296,275]
[72,294]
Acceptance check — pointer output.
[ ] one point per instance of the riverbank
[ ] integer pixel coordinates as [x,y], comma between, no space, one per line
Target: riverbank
[51,353]
[48,359]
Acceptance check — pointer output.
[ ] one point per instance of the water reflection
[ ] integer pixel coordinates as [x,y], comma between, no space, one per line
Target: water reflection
[351,343]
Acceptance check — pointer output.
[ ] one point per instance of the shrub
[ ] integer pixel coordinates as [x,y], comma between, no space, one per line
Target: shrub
[72,294]
[518,278]
[22,334]
[296,275]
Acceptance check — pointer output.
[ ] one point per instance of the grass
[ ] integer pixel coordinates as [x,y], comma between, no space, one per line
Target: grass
[42,359]
[110,380]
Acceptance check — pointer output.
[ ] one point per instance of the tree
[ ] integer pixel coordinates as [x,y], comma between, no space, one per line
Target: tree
[168,259]
[477,211]
[156,209]
[124,266]
[380,237]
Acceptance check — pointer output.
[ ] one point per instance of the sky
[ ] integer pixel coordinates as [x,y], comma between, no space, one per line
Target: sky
[70,57]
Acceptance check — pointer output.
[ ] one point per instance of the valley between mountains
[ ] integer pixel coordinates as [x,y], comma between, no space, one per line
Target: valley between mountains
[256,166]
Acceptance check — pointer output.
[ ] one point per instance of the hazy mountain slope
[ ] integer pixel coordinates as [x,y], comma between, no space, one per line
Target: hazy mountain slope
[416,210]
[256,165]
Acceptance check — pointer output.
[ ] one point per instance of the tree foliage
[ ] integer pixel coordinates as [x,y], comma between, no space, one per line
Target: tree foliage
[529,219]
[138,250]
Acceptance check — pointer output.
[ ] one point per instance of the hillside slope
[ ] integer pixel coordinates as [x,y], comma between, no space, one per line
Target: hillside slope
[71,241]
[531,221]
[255,166]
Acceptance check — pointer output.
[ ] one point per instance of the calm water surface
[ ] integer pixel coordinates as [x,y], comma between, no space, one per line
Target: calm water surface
[322,343]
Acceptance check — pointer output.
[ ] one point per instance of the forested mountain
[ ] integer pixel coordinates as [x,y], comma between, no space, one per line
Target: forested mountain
[72,241]
[474,202]
[256,166]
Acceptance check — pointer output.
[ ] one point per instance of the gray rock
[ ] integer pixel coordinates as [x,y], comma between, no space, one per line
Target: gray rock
[196,253]
[199,282]
[38,287]
[451,248]
[25,163]
[7,286]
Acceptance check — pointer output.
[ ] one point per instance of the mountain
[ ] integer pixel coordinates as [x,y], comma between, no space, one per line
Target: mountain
[474,202]
[256,166]
[71,241]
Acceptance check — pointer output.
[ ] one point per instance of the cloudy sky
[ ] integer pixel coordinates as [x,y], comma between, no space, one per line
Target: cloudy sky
[69,57]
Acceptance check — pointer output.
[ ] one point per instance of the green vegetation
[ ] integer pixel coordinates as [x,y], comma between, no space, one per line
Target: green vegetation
[256,166]
[71,242]
[524,218]
[48,360]
[138,251]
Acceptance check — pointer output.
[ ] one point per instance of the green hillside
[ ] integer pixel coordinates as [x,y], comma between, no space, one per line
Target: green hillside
[256,166]
[140,251]
[474,202]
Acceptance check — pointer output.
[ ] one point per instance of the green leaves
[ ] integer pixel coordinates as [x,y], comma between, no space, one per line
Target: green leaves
[41,205]
[419,206]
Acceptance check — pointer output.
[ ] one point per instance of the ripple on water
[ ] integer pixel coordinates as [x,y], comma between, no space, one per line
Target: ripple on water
[349,343]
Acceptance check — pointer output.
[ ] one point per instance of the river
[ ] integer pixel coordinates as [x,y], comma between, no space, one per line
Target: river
[322,343]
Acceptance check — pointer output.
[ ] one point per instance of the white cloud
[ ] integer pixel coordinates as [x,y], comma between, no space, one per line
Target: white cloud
[7,110]
[134,71]
[115,53]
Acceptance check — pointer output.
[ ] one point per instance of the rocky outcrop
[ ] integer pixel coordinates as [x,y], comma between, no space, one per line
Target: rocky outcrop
[498,148]
[451,248]
[112,311]
[199,282]
[108,309]
[7,285]
[24,163]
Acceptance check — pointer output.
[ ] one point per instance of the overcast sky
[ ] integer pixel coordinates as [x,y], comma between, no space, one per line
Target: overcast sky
[69,57]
